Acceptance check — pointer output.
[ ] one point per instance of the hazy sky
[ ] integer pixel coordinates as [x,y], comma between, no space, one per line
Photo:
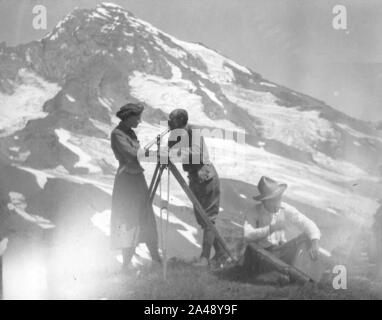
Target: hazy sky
[291,42]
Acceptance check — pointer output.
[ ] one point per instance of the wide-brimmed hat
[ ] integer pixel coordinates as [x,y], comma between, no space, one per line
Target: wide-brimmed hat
[130,109]
[269,188]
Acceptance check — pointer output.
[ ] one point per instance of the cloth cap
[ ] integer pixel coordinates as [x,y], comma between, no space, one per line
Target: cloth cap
[130,109]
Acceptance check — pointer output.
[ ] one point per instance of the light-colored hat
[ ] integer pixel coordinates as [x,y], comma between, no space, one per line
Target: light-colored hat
[269,188]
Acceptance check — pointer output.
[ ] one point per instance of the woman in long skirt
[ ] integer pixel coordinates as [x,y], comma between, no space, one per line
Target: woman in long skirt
[132,216]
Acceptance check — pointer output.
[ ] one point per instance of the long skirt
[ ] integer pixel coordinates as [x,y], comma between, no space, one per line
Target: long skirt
[132,215]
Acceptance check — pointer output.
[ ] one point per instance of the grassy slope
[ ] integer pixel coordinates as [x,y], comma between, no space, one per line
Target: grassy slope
[187,282]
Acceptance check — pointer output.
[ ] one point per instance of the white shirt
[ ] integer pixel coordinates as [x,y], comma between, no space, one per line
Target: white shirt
[258,220]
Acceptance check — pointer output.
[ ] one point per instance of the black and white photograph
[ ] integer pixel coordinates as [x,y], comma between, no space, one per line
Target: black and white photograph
[195,150]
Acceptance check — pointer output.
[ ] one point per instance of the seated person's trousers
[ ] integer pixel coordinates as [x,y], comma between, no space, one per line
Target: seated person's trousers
[253,263]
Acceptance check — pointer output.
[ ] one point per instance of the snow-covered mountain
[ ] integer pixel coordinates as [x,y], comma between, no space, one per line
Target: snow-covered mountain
[58,97]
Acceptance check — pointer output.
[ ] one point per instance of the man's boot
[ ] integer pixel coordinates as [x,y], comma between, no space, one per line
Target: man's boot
[208,239]
[154,252]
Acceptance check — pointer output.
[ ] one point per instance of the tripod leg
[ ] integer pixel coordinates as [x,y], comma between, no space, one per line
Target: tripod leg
[154,178]
[156,183]
[198,206]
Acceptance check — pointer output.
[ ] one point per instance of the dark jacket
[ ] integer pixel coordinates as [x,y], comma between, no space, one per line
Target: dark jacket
[197,162]
[203,178]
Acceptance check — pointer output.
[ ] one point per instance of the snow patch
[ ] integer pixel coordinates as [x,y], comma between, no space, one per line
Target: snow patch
[164,94]
[101,125]
[102,221]
[103,12]
[54,36]
[307,183]
[339,166]
[176,53]
[147,26]
[25,103]
[64,138]
[357,134]
[107,103]
[70,98]
[58,28]
[217,65]
[176,73]
[237,225]
[107,28]
[41,177]
[96,15]
[14,149]
[18,204]
[129,49]
[111,5]
[291,126]
[211,95]
[186,230]
[332,211]
[356,143]
[268,84]
[149,60]
[237,66]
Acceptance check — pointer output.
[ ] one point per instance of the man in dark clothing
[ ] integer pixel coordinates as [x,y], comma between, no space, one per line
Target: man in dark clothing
[203,179]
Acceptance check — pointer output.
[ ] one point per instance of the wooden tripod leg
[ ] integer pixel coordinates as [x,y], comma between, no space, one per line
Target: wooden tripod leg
[280,265]
[155,183]
[198,206]
[154,179]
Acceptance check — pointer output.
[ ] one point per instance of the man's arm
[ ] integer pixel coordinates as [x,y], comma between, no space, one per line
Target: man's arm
[307,226]
[302,222]
[251,231]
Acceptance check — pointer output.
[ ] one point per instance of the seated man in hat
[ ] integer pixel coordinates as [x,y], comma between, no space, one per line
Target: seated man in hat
[266,222]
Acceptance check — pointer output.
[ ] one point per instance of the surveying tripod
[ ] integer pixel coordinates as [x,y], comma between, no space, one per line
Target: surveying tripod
[160,167]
